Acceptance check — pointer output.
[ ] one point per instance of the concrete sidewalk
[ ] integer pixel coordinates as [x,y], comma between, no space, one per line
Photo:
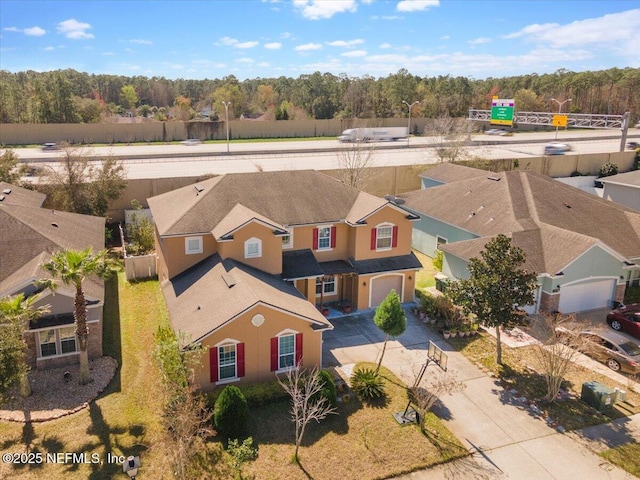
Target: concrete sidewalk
[506,439]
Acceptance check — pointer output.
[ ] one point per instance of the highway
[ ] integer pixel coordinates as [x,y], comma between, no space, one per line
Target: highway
[177,160]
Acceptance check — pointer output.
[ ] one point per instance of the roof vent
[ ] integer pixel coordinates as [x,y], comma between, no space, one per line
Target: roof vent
[54,224]
[495,179]
[1,198]
[6,191]
[567,205]
[198,188]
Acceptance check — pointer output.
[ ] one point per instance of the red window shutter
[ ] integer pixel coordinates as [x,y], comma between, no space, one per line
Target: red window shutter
[373,238]
[213,364]
[394,238]
[299,349]
[315,238]
[240,360]
[274,354]
[333,237]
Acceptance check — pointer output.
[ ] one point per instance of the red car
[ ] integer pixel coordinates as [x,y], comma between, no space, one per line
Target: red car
[626,319]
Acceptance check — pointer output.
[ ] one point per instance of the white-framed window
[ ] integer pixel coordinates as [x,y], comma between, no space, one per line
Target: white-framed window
[328,287]
[287,240]
[324,238]
[67,339]
[286,351]
[227,362]
[57,341]
[384,237]
[253,248]
[440,241]
[192,245]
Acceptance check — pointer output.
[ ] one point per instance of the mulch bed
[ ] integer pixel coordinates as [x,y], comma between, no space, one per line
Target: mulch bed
[54,396]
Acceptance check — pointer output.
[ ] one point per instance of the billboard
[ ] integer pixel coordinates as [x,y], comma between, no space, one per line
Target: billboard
[502,111]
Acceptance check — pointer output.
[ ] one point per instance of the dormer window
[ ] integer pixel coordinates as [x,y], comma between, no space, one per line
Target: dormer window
[287,241]
[253,248]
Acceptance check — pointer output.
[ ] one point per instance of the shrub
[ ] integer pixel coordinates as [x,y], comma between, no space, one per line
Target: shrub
[329,390]
[607,170]
[632,295]
[367,383]
[256,394]
[231,412]
[438,259]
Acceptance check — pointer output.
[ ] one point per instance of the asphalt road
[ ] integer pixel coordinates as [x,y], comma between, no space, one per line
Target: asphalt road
[171,160]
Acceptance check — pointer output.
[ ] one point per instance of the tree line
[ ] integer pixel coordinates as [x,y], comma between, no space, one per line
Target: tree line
[69,96]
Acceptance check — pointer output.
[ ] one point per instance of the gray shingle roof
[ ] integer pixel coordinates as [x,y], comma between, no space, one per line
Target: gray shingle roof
[450,172]
[26,233]
[215,291]
[294,197]
[13,195]
[519,202]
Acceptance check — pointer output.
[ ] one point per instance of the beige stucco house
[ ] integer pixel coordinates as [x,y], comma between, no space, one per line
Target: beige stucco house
[248,260]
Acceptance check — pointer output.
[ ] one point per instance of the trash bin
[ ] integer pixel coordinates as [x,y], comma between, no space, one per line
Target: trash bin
[441,282]
[598,396]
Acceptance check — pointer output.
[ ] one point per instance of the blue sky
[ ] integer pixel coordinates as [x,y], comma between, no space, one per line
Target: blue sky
[272,38]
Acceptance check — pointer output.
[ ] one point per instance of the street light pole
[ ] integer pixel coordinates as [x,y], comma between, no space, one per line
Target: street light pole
[226,120]
[560,104]
[409,121]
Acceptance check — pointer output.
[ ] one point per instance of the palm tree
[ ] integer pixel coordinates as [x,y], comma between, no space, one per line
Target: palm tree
[72,267]
[15,314]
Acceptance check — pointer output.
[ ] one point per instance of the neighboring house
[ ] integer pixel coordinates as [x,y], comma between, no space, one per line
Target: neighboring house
[623,188]
[28,236]
[247,259]
[585,250]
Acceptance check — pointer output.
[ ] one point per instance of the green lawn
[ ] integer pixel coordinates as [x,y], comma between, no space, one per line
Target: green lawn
[426,276]
[125,419]
[626,457]
[363,441]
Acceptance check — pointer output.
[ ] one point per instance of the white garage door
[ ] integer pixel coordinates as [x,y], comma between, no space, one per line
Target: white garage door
[586,296]
[381,286]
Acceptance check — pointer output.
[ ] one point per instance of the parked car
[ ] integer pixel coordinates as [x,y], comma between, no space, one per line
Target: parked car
[625,319]
[615,350]
[50,146]
[192,141]
[556,148]
[633,145]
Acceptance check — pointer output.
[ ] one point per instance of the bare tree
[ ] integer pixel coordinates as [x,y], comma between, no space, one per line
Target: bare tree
[78,184]
[306,402]
[424,395]
[557,350]
[450,137]
[355,160]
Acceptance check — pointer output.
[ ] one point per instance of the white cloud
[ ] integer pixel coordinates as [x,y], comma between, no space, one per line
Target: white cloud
[307,47]
[322,9]
[346,43]
[416,5]
[245,45]
[479,41]
[445,37]
[34,31]
[273,45]
[617,30]
[49,49]
[227,41]
[246,61]
[31,31]
[141,41]
[74,29]
[385,45]
[355,53]
[109,54]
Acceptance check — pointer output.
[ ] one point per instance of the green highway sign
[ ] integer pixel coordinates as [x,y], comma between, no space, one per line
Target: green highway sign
[502,111]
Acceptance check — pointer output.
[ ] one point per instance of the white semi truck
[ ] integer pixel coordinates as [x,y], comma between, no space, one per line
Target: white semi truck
[377,134]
